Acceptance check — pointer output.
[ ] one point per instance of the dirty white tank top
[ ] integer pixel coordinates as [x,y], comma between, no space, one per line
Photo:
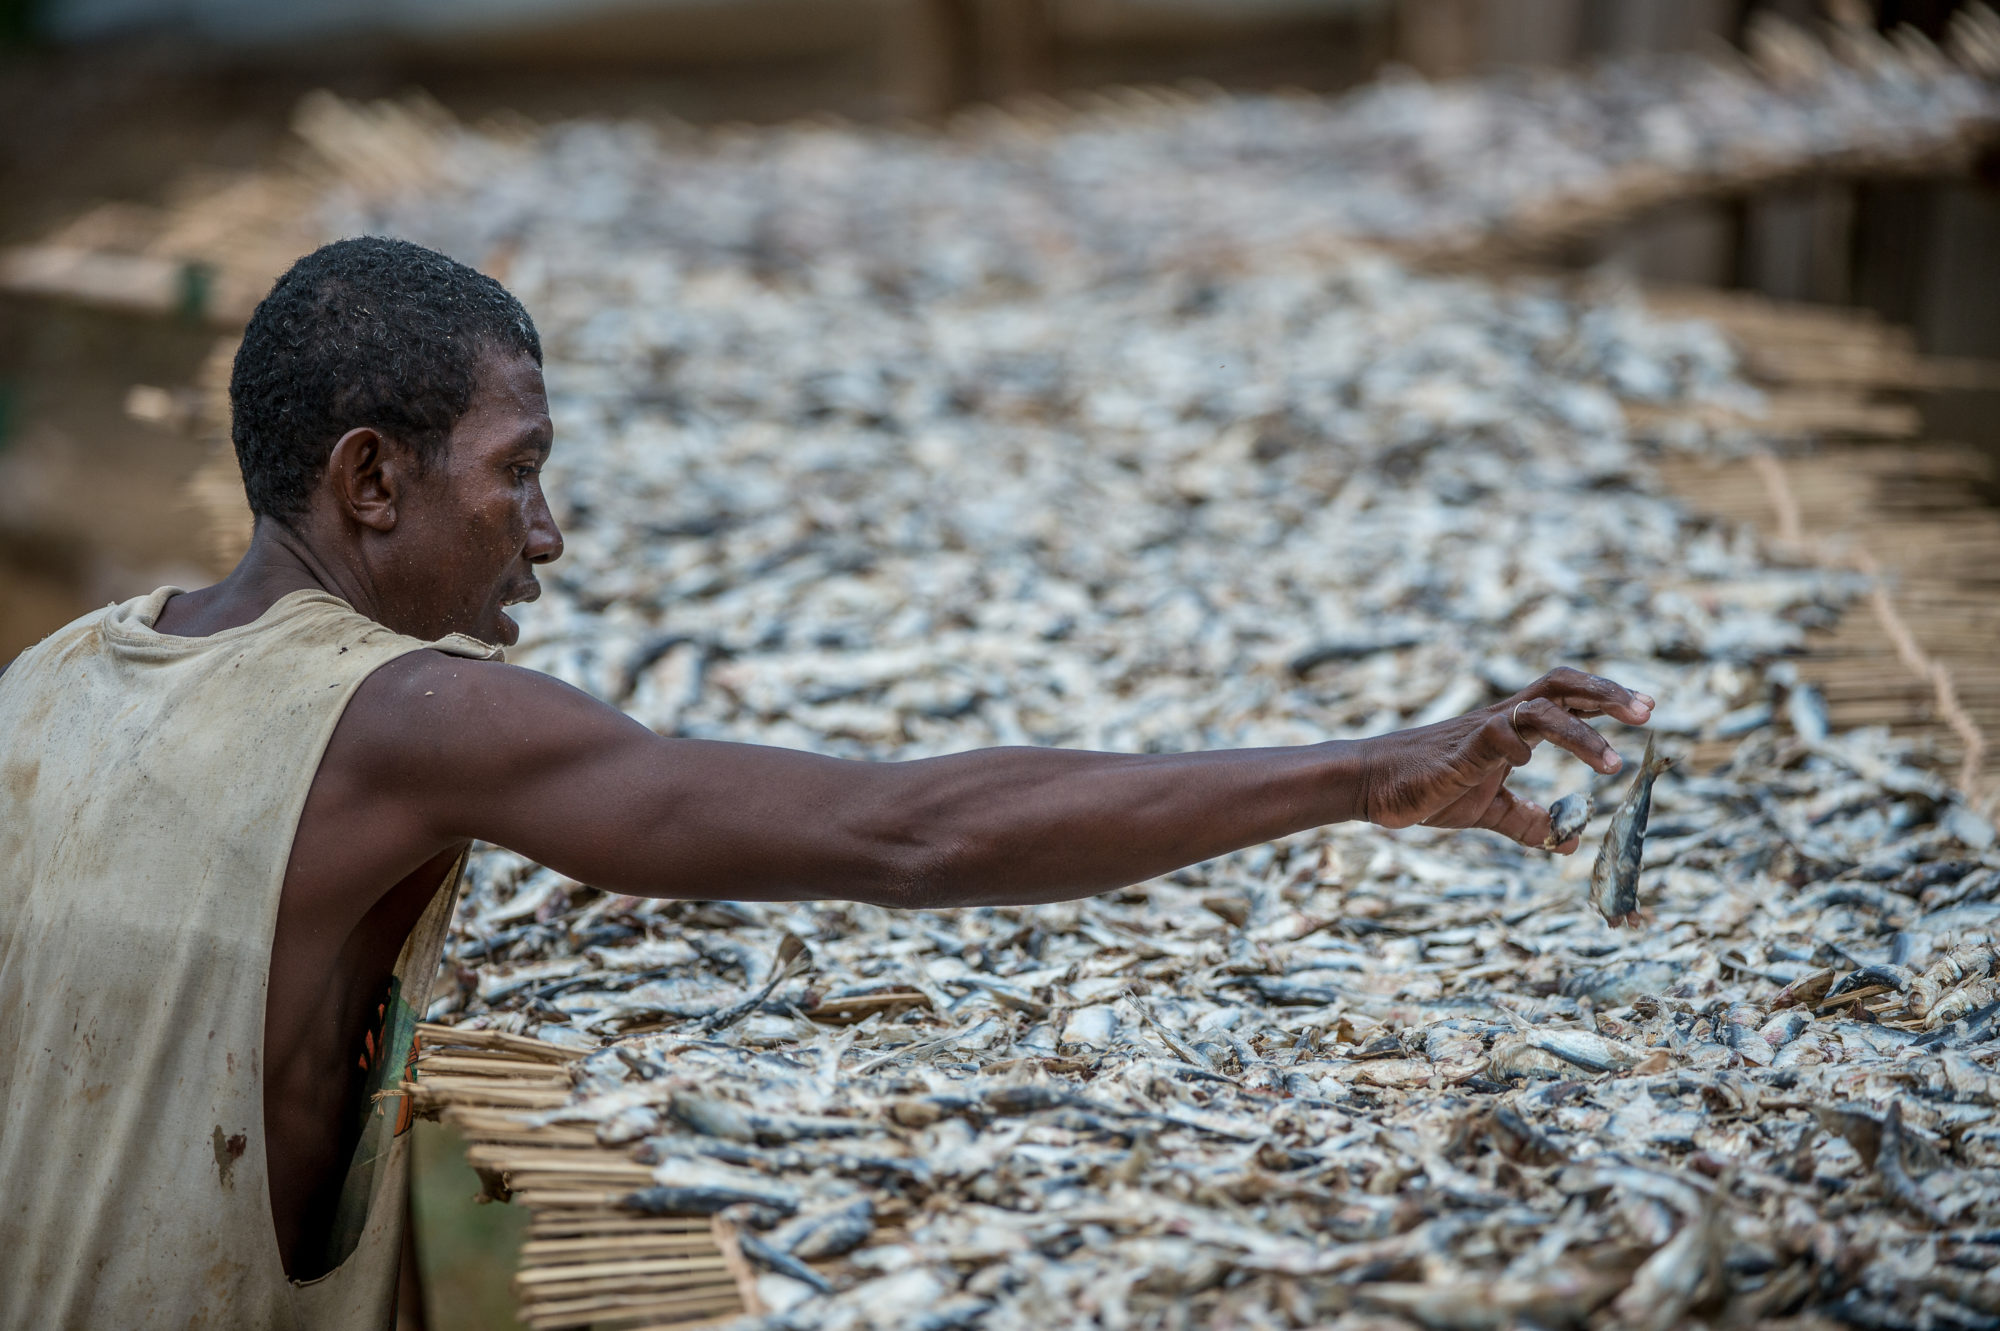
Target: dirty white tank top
[150,786]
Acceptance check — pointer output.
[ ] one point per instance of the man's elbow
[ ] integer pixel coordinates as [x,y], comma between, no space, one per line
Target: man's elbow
[917,872]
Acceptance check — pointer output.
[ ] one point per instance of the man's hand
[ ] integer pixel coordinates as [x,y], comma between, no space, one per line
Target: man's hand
[1454,774]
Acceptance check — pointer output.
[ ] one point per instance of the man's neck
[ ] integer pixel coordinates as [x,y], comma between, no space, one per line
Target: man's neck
[278,563]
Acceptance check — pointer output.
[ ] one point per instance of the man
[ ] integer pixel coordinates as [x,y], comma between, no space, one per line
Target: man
[232,819]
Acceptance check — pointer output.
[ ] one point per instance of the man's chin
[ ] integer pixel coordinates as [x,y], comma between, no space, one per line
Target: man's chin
[504,630]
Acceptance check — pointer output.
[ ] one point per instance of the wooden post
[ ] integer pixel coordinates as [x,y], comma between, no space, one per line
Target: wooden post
[1014,51]
[1537,33]
[941,54]
[1438,38]
[923,55]
[1624,27]
[1798,243]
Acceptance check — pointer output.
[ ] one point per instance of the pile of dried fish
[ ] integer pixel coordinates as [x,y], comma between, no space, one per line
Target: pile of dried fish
[1389,1078]
[1163,176]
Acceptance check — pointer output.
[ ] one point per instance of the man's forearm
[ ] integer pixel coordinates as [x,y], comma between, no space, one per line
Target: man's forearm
[520,760]
[1020,826]
[463,751]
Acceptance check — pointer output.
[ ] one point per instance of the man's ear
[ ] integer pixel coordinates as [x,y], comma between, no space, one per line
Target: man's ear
[370,473]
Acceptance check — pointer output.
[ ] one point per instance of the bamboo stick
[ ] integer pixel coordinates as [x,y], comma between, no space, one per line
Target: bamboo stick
[506,1129]
[546,1183]
[532,1159]
[570,1214]
[603,1172]
[523,1069]
[677,1265]
[482,1091]
[542,1251]
[549,1224]
[1792,414]
[476,1118]
[1868,366]
[470,1083]
[738,1266]
[720,1297]
[710,1313]
[539,1194]
[552,1136]
[433,1034]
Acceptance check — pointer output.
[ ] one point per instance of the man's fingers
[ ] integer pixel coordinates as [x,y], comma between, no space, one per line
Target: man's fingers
[1584,694]
[1516,819]
[1506,735]
[1542,719]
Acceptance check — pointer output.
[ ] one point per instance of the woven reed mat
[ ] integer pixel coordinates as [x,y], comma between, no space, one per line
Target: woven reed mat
[586,1262]
[1855,488]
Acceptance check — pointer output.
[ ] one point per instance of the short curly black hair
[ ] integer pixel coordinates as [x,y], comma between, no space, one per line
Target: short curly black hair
[368,331]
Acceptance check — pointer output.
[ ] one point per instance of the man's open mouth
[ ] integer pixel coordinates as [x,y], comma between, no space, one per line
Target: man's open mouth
[530,592]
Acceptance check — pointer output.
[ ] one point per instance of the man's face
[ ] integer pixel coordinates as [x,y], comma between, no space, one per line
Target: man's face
[477,523]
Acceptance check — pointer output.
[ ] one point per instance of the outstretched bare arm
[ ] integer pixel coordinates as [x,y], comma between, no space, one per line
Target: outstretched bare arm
[447,749]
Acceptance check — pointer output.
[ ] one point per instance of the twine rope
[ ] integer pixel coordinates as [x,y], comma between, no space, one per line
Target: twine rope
[1944,687]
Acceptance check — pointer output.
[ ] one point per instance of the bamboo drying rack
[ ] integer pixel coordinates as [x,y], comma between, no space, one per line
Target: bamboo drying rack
[1862,490]
[1921,660]
[587,1262]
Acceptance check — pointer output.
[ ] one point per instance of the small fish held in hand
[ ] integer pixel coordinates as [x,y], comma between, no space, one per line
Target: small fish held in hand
[1614,879]
[1567,817]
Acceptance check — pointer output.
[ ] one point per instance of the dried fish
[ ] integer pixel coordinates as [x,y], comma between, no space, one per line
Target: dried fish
[1614,879]
[888,444]
[1162,179]
[783,1263]
[1806,710]
[827,1233]
[702,1199]
[1556,1298]
[716,1117]
[1567,817]
[1677,1275]
[1891,1162]
[1593,1053]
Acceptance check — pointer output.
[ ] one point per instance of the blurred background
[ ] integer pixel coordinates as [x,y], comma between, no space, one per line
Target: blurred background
[134,100]
[143,105]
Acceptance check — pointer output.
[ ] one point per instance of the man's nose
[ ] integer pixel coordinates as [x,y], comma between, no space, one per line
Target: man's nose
[545,542]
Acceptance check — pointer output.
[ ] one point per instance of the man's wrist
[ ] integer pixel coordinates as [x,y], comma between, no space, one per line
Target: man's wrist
[1344,767]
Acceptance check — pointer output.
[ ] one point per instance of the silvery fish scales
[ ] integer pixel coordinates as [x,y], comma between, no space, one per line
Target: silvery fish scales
[1568,817]
[1614,878]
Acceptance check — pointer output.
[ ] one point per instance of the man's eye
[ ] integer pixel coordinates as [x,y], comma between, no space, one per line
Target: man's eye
[522,473]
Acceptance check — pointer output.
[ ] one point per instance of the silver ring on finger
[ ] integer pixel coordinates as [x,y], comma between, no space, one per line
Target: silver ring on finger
[1514,720]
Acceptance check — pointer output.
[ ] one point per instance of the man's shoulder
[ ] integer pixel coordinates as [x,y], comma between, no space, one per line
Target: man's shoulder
[431,701]
[413,716]
[57,648]
[431,683]
[429,730]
